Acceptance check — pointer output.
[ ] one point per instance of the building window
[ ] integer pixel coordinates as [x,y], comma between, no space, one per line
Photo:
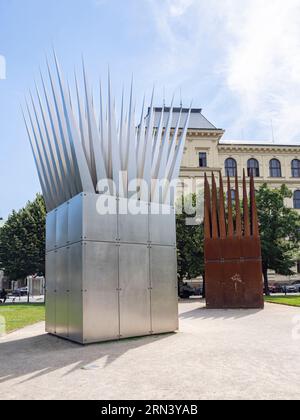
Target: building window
[203,160]
[253,167]
[232,193]
[296,168]
[297,199]
[230,167]
[275,168]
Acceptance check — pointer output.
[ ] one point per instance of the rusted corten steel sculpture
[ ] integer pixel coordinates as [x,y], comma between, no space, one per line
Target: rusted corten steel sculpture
[233,270]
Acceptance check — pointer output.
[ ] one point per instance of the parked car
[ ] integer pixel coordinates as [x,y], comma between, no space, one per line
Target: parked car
[289,289]
[275,288]
[21,291]
[297,286]
[199,291]
[186,291]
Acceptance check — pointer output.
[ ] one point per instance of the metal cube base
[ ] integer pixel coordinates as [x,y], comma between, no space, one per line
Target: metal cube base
[233,273]
[110,276]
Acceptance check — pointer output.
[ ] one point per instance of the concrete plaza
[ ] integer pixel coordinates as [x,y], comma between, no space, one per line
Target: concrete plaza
[216,355]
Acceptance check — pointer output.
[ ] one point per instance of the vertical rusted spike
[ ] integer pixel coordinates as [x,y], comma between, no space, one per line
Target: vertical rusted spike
[214,216]
[247,231]
[254,218]
[222,221]
[207,209]
[238,221]
[229,206]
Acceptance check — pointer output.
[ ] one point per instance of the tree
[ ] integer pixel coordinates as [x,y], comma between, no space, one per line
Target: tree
[279,230]
[22,241]
[190,243]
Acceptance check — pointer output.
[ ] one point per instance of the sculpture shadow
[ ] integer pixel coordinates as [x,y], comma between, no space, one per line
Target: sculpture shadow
[204,313]
[43,354]
[192,300]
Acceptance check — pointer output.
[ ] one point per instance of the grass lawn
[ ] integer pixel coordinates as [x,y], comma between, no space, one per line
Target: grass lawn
[20,315]
[284,300]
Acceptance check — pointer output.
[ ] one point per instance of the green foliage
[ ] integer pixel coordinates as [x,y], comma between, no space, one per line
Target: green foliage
[279,230]
[22,241]
[190,243]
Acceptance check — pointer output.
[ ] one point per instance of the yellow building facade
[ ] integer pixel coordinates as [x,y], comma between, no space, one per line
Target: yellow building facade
[207,152]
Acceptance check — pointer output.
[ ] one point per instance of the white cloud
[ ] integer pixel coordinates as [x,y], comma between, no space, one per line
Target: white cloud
[179,45]
[256,57]
[263,63]
[179,7]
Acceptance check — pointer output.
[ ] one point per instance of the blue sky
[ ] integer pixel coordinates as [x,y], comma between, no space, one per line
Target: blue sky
[238,60]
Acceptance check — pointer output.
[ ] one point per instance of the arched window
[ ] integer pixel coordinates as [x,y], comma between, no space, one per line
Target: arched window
[253,167]
[230,167]
[297,199]
[296,168]
[275,168]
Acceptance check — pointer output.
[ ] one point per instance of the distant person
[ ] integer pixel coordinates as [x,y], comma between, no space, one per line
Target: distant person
[3,295]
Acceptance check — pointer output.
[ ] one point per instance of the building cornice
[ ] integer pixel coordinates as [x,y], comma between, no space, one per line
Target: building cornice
[214,134]
[199,171]
[275,182]
[226,148]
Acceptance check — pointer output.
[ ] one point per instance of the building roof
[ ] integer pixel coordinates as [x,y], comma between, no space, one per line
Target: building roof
[197,119]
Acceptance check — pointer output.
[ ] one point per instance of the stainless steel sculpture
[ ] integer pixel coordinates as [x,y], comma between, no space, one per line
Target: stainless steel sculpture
[111,241]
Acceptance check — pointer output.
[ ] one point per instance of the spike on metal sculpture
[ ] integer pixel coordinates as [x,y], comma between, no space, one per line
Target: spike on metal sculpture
[108,188]
[233,272]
